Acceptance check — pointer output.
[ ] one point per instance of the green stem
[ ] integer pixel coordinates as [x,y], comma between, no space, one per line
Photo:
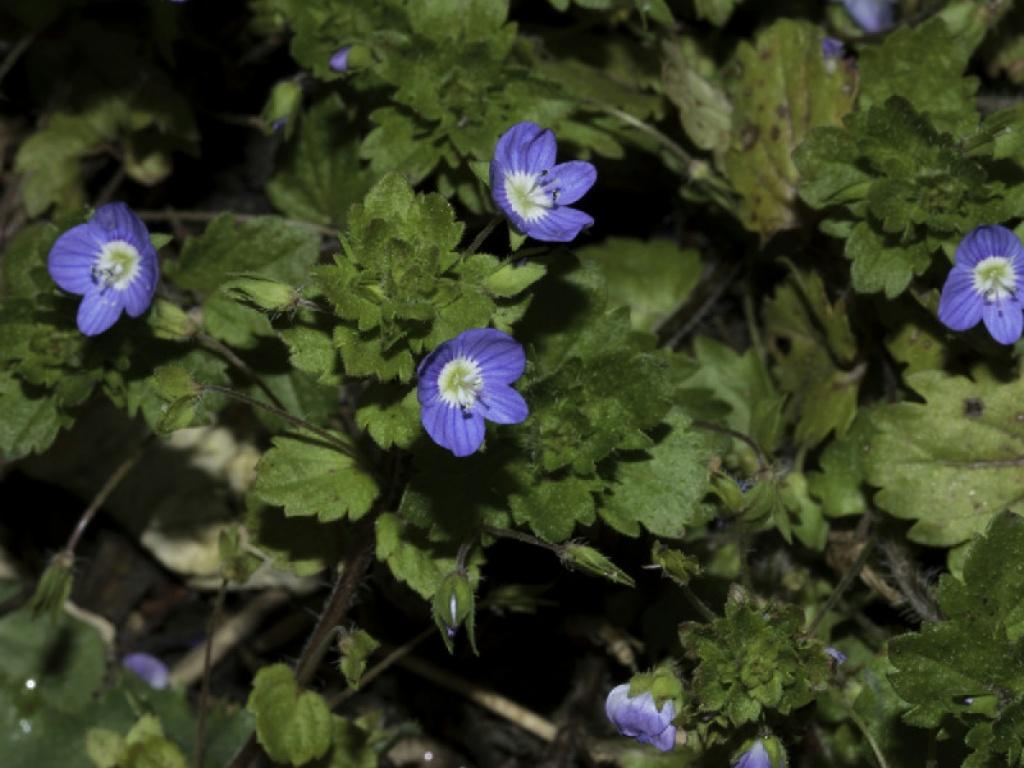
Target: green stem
[762,460]
[525,538]
[863,728]
[219,348]
[482,235]
[700,606]
[328,436]
[14,54]
[204,691]
[842,586]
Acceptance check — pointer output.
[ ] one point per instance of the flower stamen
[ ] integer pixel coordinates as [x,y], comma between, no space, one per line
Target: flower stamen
[460,382]
[994,278]
[117,266]
[527,195]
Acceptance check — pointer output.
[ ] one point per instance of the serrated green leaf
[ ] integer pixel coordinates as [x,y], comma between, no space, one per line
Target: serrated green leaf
[664,487]
[390,414]
[754,659]
[923,64]
[953,462]
[967,665]
[293,727]
[716,11]
[653,277]
[30,423]
[321,176]
[510,280]
[310,478]
[267,245]
[411,555]
[356,647]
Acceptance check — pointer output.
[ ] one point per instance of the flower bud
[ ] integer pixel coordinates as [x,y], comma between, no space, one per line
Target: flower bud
[54,586]
[264,293]
[589,560]
[282,107]
[453,607]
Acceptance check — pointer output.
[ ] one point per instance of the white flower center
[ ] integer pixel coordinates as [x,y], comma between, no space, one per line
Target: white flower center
[994,278]
[526,196]
[117,266]
[460,382]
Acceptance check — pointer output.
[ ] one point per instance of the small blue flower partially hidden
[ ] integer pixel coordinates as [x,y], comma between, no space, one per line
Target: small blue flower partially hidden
[639,718]
[532,191]
[837,656]
[466,380]
[110,262]
[149,668]
[873,16]
[832,48]
[986,284]
[755,757]
[339,60]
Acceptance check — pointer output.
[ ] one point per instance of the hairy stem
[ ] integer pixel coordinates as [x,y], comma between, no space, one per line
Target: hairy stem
[204,690]
[844,584]
[482,235]
[328,436]
[102,495]
[219,348]
[762,460]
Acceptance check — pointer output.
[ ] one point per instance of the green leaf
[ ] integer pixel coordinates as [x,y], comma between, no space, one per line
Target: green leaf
[510,280]
[292,727]
[692,83]
[144,746]
[355,646]
[312,350]
[412,557]
[716,11]
[752,660]
[839,486]
[923,64]
[813,349]
[321,176]
[267,246]
[967,665]
[553,508]
[653,278]
[390,414]
[952,462]
[882,264]
[24,274]
[309,477]
[30,423]
[743,383]
[783,89]
[664,487]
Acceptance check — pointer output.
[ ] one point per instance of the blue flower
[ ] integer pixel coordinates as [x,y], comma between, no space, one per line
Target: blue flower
[466,380]
[986,284]
[832,48]
[532,191]
[110,262]
[755,757]
[638,717]
[149,668]
[339,60]
[836,655]
[873,16]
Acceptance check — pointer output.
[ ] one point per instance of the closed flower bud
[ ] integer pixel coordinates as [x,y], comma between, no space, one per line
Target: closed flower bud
[264,293]
[169,321]
[54,587]
[454,607]
[282,107]
[591,561]
[640,718]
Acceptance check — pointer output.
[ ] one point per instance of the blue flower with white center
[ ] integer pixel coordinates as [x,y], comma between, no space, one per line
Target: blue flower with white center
[532,191]
[339,60]
[986,284]
[755,757]
[639,717]
[110,262]
[873,16]
[467,380]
